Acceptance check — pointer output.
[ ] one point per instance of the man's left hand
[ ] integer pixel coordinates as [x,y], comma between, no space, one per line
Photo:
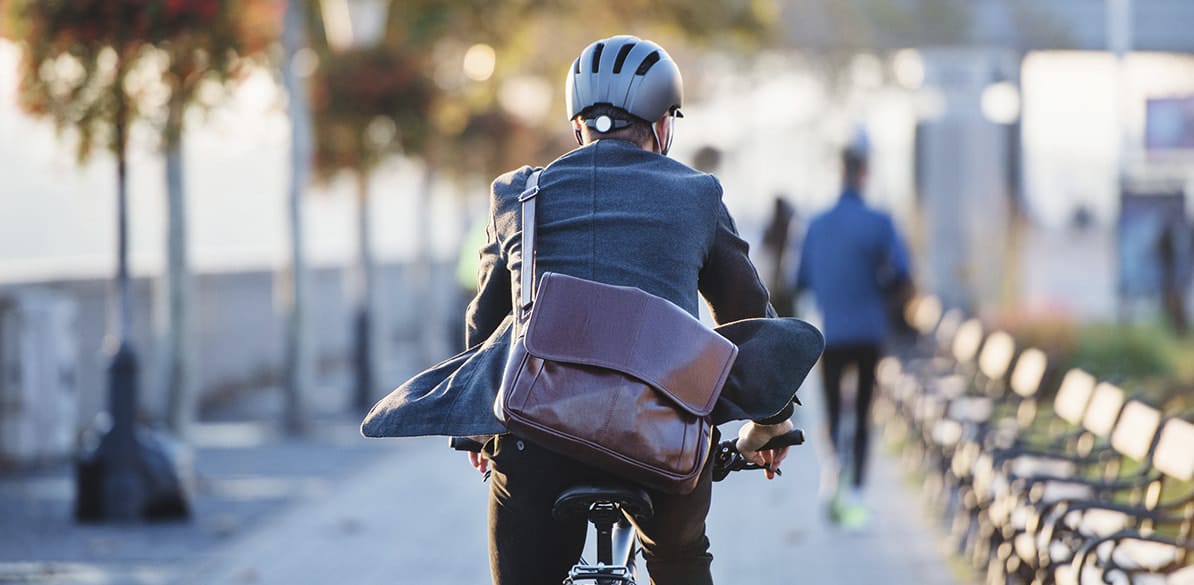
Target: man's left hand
[753,435]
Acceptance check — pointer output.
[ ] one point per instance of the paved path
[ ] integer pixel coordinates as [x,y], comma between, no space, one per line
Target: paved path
[246,474]
[417,515]
[337,508]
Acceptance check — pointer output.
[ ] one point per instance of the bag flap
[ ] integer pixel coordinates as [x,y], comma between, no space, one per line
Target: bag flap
[626,329]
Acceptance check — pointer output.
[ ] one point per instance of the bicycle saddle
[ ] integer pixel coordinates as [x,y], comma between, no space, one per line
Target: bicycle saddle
[576,500]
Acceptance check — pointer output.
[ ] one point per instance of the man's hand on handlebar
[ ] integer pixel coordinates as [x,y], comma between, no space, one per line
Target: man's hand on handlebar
[752,436]
[473,445]
[479,462]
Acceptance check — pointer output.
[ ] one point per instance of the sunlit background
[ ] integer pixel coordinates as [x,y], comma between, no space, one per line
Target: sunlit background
[298,212]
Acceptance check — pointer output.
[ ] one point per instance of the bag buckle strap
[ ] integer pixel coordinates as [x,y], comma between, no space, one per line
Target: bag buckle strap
[529,193]
[527,283]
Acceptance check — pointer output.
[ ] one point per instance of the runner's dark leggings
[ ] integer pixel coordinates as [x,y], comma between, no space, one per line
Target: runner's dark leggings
[529,547]
[833,362]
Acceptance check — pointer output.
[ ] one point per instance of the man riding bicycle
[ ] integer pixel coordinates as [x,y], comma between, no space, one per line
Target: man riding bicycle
[615,210]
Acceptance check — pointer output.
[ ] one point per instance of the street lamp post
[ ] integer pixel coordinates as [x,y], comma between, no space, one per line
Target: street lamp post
[355,25]
[126,476]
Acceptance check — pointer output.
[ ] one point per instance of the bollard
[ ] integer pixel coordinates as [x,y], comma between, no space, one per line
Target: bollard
[126,475]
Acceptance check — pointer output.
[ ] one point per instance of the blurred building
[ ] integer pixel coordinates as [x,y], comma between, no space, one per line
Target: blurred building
[1025,109]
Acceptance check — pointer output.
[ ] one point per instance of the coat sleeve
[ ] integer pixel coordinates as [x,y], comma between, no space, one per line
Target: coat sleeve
[729,281]
[732,287]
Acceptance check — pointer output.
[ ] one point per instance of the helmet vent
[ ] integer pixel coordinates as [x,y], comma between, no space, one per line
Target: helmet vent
[576,67]
[645,66]
[597,56]
[622,53]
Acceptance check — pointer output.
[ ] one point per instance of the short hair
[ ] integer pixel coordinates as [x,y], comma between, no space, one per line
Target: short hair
[854,167]
[638,131]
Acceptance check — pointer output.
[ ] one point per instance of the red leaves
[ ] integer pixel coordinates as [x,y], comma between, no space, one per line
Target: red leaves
[354,89]
[259,24]
[203,10]
[78,55]
[372,82]
[124,23]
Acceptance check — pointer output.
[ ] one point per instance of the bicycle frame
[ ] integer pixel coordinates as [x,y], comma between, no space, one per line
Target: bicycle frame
[608,509]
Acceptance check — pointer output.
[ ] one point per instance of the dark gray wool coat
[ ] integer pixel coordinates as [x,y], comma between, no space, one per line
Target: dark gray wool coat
[615,213]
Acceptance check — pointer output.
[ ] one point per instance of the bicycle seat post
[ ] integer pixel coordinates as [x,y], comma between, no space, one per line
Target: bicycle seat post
[607,507]
[603,515]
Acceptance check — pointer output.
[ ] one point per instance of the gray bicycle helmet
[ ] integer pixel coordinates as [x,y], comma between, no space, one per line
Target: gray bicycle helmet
[628,73]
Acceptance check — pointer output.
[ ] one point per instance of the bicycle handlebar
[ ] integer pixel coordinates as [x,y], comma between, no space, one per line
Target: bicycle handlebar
[465,444]
[791,438]
[726,459]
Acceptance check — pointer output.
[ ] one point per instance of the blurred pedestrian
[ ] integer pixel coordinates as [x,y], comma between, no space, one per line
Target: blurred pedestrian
[777,251]
[1172,255]
[707,159]
[852,259]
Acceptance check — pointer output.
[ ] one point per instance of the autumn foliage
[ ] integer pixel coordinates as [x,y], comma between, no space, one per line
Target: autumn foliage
[95,65]
[368,102]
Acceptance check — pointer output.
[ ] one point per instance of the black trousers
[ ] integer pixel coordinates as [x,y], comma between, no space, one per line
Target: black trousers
[527,546]
[865,357]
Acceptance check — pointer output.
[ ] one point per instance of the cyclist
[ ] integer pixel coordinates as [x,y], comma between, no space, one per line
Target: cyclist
[616,210]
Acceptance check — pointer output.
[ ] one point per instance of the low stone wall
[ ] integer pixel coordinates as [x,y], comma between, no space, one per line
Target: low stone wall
[239,335]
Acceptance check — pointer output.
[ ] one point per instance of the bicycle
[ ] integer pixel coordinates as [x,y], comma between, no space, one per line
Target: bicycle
[609,507]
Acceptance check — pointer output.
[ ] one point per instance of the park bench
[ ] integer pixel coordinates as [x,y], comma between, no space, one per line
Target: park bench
[968,418]
[1061,492]
[907,389]
[1141,539]
[939,388]
[945,394]
[923,313]
[1013,415]
[1030,448]
[1117,467]
[1132,439]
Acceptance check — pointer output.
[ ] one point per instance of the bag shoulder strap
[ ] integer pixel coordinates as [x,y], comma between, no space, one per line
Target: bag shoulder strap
[527,283]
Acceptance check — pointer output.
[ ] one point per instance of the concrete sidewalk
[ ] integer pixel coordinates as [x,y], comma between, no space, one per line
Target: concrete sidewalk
[337,508]
[417,515]
[245,474]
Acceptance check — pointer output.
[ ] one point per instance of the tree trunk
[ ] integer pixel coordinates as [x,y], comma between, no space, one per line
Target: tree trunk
[122,323]
[122,486]
[427,315]
[298,362]
[365,326]
[179,359]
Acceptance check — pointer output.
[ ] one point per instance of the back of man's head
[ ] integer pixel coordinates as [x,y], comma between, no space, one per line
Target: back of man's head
[619,87]
[854,169]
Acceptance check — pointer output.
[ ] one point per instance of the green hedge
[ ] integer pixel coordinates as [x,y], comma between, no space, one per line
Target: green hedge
[1146,360]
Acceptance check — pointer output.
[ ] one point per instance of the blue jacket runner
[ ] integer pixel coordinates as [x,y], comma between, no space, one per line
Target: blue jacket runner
[851,257]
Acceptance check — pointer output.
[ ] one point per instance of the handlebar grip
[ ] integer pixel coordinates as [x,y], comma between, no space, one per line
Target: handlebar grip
[464,444]
[789,439]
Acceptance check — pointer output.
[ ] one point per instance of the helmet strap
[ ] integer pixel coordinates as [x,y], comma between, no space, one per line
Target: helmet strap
[671,133]
[602,124]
